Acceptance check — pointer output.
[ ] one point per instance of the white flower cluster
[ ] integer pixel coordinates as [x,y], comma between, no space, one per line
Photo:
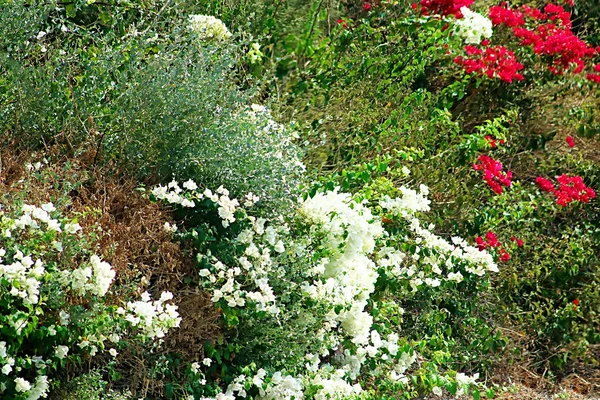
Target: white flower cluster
[409,204]
[172,194]
[473,27]
[34,391]
[154,318]
[208,27]
[282,387]
[348,276]
[24,276]
[443,259]
[95,278]
[333,241]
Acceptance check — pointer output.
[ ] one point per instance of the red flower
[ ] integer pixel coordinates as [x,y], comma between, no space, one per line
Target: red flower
[492,240]
[444,7]
[480,243]
[544,184]
[342,22]
[493,174]
[520,242]
[504,256]
[593,78]
[576,302]
[570,141]
[493,62]
[366,6]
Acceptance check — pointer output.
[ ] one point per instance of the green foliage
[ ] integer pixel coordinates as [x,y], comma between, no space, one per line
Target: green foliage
[90,386]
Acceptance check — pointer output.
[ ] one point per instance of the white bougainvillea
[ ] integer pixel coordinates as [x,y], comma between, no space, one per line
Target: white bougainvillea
[329,255]
[473,27]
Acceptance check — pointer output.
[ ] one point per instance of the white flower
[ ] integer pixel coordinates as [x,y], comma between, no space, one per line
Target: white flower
[195,367]
[40,35]
[6,369]
[113,352]
[61,351]
[22,385]
[170,228]
[437,391]
[190,185]
[64,317]
[209,27]
[72,228]
[473,27]
[40,388]
[207,361]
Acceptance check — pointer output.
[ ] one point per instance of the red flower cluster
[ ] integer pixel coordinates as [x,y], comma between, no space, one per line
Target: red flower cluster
[570,189]
[366,6]
[342,22]
[552,37]
[496,61]
[493,174]
[595,77]
[444,7]
[492,241]
[492,142]
[570,141]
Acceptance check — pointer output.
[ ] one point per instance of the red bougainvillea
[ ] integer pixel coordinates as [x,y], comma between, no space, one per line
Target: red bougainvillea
[444,7]
[549,34]
[492,241]
[493,174]
[494,62]
[570,141]
[570,189]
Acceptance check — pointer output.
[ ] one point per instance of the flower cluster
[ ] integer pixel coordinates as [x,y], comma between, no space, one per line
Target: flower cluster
[492,241]
[492,61]
[570,189]
[33,244]
[493,174]
[494,142]
[208,27]
[473,27]
[550,34]
[444,7]
[348,276]
[153,318]
[95,278]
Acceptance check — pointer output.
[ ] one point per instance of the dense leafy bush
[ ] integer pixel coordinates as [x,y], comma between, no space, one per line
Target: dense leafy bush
[353,285]
[154,105]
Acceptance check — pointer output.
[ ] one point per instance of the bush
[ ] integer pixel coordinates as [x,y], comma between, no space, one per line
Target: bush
[333,269]
[155,106]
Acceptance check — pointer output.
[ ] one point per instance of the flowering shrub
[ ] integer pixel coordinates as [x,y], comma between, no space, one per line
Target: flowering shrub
[327,265]
[55,299]
[492,61]
[444,7]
